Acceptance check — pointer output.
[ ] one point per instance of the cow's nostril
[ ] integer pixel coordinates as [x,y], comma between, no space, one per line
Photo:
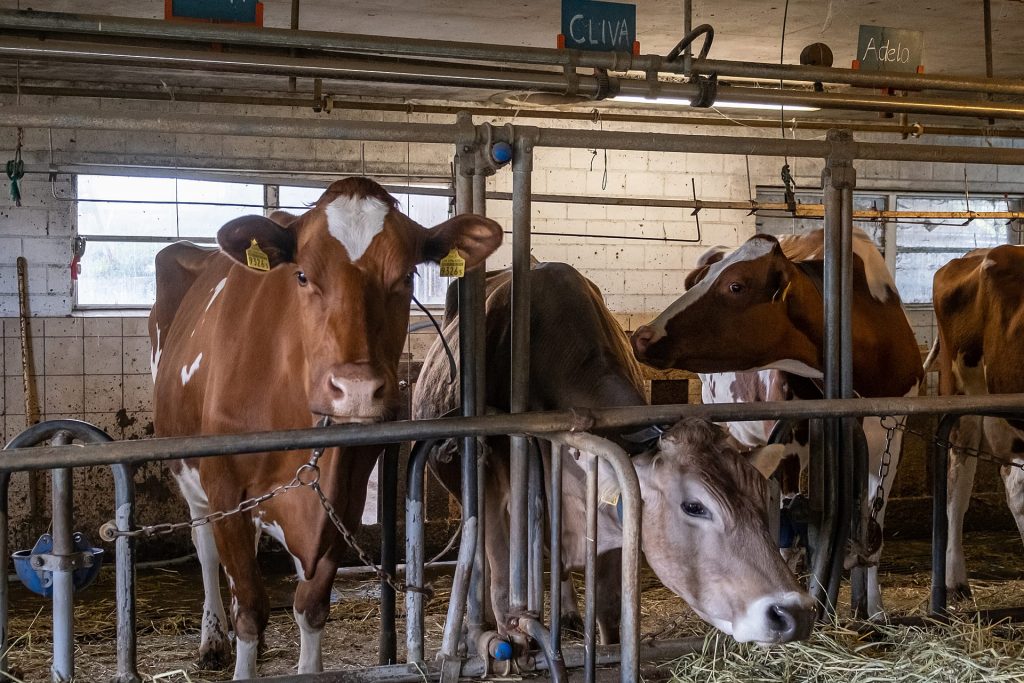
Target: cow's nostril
[336,386]
[781,620]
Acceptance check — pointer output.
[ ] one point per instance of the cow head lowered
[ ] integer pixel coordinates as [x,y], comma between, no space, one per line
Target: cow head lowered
[737,315]
[705,534]
[345,273]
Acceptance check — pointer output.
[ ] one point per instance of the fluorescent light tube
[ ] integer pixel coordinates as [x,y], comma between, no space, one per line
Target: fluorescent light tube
[724,104]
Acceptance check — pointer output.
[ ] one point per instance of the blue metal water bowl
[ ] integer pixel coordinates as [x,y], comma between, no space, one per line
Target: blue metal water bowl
[40,581]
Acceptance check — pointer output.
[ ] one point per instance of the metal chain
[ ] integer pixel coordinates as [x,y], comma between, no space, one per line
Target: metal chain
[308,475]
[890,424]
[970,452]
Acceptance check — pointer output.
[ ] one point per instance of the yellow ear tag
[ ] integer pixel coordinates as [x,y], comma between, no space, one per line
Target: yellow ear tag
[785,292]
[255,258]
[453,265]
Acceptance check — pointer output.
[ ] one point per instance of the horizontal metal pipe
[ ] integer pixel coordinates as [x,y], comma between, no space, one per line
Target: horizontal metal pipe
[182,95]
[863,79]
[169,448]
[442,75]
[150,29]
[827,100]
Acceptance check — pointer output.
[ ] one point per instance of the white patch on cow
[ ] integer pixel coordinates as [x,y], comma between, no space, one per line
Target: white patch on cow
[245,659]
[355,221]
[216,292]
[880,282]
[794,367]
[987,263]
[748,251]
[155,360]
[277,533]
[753,624]
[310,649]
[187,372]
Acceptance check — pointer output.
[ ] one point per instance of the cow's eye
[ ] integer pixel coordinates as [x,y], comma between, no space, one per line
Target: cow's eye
[301,277]
[695,509]
[736,287]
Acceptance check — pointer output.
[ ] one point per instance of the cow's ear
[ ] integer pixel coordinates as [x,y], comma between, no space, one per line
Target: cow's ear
[695,276]
[707,259]
[474,236]
[244,238]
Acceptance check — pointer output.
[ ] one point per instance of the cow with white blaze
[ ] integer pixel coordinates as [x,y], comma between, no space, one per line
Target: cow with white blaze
[283,325]
[979,310]
[705,530]
[761,308]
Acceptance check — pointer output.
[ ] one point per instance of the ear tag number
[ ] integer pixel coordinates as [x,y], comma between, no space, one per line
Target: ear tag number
[453,265]
[255,257]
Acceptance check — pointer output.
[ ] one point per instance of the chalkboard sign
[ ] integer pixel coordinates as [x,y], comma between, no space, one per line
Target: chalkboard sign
[598,26]
[889,49]
[220,11]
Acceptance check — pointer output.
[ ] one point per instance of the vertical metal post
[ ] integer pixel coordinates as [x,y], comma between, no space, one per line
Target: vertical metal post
[414,550]
[5,482]
[475,282]
[468,311]
[590,578]
[387,488]
[687,27]
[63,668]
[124,547]
[940,517]
[555,552]
[535,510]
[837,181]
[522,167]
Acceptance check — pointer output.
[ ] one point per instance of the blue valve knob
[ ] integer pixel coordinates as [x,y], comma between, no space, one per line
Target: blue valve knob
[502,650]
[501,152]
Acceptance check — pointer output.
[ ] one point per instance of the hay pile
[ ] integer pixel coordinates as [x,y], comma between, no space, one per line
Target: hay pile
[960,652]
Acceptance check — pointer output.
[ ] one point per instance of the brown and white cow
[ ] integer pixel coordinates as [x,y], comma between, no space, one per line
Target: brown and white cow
[704,516]
[979,309]
[761,308]
[241,350]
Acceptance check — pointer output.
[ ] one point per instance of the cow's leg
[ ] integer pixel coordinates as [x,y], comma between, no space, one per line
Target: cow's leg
[311,608]
[250,606]
[214,645]
[609,588]
[875,435]
[962,469]
[496,540]
[571,619]
[1013,480]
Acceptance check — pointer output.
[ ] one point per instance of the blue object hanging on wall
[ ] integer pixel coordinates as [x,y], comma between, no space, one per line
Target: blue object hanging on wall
[40,581]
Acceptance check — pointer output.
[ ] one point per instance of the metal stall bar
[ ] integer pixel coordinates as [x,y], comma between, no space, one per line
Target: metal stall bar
[535,523]
[451,662]
[558,452]
[124,547]
[629,489]
[473,305]
[63,559]
[387,483]
[940,515]
[415,543]
[173,448]
[590,578]
[522,169]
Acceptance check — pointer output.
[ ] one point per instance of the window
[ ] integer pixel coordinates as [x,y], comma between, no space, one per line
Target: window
[127,220]
[914,247]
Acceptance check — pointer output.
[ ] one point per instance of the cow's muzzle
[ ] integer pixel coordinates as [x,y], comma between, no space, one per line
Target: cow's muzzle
[790,622]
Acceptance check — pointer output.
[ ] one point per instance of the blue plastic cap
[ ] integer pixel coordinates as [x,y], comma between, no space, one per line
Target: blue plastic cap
[501,152]
[502,650]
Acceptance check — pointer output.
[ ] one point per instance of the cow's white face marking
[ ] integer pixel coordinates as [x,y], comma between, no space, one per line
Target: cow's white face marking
[748,251]
[188,371]
[155,361]
[216,290]
[355,221]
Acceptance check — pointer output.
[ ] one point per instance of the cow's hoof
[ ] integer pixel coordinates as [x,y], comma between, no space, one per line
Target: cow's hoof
[215,658]
[961,591]
[572,623]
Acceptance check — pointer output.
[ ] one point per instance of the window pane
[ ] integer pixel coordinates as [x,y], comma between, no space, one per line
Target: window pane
[112,218]
[298,199]
[205,221]
[118,274]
